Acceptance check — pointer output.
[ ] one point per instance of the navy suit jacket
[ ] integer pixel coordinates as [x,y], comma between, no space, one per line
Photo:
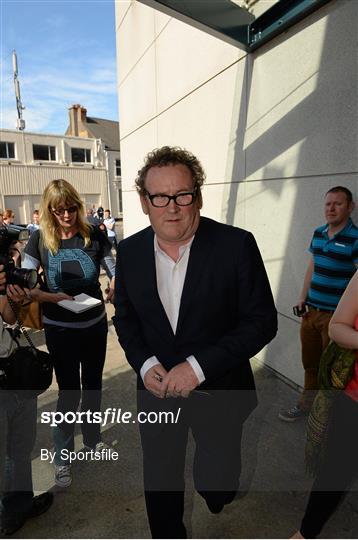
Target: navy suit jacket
[226,316]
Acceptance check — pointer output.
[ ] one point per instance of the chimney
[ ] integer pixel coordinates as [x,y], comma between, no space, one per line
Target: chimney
[83,114]
[78,116]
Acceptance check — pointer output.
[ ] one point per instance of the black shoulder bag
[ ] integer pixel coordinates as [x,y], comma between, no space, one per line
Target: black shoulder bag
[27,371]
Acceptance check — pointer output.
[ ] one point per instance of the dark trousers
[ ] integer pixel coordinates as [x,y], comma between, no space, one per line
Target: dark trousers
[17,439]
[216,426]
[79,355]
[339,468]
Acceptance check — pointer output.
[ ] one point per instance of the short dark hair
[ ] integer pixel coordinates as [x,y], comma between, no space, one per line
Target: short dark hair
[170,155]
[342,189]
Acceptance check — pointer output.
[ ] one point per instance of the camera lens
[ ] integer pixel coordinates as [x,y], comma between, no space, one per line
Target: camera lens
[23,277]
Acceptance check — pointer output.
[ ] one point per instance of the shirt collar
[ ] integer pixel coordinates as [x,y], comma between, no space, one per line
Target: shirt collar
[182,249]
[348,225]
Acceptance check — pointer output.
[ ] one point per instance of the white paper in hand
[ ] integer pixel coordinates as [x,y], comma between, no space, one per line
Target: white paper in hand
[81,303]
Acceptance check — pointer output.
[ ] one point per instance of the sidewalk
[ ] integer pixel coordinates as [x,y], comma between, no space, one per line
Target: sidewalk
[106,500]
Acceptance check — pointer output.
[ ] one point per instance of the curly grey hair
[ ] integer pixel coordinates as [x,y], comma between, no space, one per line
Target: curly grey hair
[170,155]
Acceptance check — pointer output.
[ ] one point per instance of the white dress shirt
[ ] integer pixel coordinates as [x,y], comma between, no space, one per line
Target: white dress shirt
[170,281]
[108,223]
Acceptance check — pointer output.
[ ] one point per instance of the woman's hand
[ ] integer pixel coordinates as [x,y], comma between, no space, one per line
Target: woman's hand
[15,293]
[41,296]
[57,297]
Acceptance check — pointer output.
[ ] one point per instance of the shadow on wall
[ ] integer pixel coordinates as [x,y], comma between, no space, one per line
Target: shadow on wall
[288,168]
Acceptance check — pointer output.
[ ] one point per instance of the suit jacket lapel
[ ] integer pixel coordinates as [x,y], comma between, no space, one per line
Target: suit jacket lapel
[198,258]
[149,285]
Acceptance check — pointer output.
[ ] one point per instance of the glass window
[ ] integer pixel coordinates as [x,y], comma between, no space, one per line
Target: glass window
[7,150]
[80,155]
[43,152]
[118,167]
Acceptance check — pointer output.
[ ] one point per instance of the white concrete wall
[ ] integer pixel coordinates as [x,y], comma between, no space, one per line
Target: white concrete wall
[274,130]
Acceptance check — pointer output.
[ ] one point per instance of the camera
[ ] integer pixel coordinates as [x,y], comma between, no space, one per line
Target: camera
[299,312]
[15,276]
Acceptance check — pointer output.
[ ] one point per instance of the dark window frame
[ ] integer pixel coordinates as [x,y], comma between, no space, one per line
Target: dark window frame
[117,165]
[87,155]
[51,152]
[7,145]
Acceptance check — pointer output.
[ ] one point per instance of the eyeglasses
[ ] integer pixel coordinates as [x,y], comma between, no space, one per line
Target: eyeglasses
[62,211]
[181,199]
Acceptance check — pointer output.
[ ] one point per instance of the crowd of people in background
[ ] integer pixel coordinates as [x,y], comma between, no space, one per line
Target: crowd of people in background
[102,217]
[94,217]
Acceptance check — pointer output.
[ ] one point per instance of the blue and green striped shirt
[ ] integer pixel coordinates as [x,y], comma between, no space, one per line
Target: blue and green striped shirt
[335,262]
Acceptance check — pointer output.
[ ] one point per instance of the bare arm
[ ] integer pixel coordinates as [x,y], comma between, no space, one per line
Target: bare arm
[43,296]
[341,327]
[306,282]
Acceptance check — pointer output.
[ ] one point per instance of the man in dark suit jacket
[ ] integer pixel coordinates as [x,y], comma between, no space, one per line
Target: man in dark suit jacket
[193,305]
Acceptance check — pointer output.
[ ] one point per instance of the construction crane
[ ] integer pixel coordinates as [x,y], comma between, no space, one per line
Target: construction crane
[20,124]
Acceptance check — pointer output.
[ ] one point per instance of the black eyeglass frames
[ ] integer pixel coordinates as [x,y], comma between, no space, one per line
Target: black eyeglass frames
[181,199]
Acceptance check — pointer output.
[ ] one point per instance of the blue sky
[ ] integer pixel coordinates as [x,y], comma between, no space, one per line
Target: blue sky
[66,54]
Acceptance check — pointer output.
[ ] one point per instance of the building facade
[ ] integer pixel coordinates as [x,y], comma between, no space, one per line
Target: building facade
[274,130]
[29,161]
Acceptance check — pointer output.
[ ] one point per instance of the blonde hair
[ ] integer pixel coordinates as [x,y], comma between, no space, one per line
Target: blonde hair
[60,192]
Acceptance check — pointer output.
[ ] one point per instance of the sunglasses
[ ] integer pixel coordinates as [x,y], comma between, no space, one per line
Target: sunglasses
[62,211]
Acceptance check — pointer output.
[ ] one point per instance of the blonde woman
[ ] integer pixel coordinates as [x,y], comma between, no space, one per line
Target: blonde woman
[70,252]
[339,468]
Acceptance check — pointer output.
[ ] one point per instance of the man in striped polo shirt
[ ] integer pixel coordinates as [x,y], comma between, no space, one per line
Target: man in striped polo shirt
[333,261]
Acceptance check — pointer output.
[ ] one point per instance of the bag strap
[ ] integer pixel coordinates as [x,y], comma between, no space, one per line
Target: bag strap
[20,324]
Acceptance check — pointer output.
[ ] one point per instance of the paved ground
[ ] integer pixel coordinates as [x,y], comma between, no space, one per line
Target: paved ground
[106,501]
